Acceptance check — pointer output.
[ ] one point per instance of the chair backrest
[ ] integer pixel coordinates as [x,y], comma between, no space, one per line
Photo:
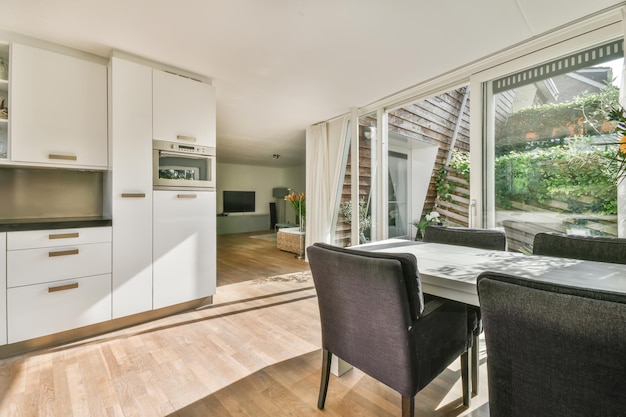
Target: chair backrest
[368,303]
[587,248]
[553,350]
[463,236]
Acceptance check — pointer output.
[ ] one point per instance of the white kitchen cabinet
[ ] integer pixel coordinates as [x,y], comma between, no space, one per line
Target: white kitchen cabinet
[57,237]
[58,111]
[184,246]
[183,109]
[3,288]
[131,202]
[37,265]
[57,280]
[42,309]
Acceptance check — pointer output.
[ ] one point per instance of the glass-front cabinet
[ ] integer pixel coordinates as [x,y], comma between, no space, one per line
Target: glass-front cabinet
[4,100]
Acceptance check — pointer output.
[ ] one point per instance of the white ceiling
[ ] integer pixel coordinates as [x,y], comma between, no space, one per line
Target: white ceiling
[282,65]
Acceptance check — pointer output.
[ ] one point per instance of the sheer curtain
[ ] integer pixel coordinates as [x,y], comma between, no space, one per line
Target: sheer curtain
[323,167]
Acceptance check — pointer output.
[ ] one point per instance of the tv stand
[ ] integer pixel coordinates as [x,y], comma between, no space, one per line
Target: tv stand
[227,224]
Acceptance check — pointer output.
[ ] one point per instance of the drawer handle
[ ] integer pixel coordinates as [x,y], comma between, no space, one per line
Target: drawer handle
[133,195]
[63,287]
[187,138]
[63,157]
[187,196]
[63,253]
[63,236]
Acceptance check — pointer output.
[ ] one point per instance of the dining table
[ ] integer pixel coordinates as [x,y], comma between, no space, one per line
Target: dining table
[450,271]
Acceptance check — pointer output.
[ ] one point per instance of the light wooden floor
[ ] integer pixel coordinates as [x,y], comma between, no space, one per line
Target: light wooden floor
[254,352]
[240,257]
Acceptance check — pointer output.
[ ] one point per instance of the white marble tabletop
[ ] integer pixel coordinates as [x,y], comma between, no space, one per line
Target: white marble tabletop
[450,271]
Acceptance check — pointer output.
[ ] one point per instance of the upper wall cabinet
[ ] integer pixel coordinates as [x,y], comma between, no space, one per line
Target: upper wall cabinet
[58,109]
[183,109]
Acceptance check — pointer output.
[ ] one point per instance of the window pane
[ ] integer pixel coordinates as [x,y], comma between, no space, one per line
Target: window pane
[398,194]
[551,169]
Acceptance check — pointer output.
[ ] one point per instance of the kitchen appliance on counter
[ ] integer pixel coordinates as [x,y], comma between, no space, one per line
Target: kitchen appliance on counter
[178,166]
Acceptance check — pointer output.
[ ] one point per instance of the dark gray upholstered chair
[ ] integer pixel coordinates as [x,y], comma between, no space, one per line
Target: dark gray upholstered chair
[465,236]
[475,238]
[373,316]
[586,248]
[554,351]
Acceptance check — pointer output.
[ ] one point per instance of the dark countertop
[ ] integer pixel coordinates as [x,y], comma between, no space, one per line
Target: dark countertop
[18,225]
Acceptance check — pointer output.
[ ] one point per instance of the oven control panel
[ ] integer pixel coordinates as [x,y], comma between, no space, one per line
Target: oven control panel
[182,148]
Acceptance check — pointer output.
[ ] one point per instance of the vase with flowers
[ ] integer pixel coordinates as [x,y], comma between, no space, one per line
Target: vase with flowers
[298,202]
[432,218]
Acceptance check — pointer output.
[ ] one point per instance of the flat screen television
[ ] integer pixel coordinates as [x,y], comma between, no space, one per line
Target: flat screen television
[239,201]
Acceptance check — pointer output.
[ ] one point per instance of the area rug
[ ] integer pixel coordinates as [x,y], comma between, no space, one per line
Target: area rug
[271,237]
[298,277]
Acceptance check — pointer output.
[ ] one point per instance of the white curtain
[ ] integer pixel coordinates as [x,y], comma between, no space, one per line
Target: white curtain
[323,168]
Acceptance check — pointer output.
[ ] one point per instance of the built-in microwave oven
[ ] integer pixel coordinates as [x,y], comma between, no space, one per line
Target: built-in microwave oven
[181,166]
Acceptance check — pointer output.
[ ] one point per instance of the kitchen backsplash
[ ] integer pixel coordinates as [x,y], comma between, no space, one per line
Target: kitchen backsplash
[27,193]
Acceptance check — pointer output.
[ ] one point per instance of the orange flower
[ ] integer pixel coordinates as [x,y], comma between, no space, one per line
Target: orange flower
[622,145]
[298,203]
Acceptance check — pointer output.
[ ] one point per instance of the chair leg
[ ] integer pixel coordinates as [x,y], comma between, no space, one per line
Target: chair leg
[408,406]
[326,358]
[465,378]
[475,353]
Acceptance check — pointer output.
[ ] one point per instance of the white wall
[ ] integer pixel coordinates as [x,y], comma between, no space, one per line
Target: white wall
[262,180]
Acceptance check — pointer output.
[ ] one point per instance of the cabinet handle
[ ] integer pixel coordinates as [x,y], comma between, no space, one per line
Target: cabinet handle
[133,195]
[187,138]
[63,287]
[63,253]
[187,196]
[63,157]
[63,236]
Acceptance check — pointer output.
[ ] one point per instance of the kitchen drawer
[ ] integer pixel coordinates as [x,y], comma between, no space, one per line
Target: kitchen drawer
[35,266]
[39,310]
[59,237]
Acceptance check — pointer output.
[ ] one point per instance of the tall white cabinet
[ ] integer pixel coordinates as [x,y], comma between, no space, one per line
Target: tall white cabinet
[184,246]
[58,111]
[163,241]
[131,186]
[184,109]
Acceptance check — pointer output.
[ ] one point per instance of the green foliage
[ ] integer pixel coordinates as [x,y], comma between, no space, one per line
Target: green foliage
[548,125]
[459,164]
[443,186]
[556,153]
[365,220]
[576,174]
